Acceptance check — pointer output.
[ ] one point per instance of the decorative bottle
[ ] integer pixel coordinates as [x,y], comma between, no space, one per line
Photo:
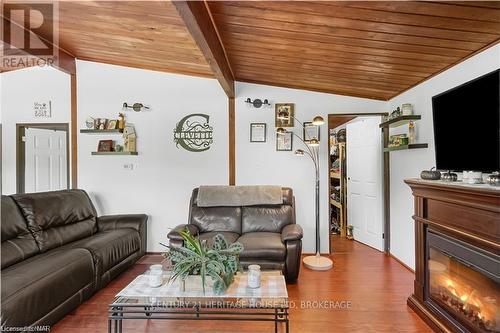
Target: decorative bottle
[411,132]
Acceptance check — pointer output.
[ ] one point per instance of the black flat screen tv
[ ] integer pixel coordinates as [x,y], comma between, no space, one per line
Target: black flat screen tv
[467,125]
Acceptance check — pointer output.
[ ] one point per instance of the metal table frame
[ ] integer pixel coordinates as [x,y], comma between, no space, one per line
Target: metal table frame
[123,311]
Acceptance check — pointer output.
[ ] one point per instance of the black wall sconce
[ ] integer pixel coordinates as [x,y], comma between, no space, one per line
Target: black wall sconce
[257,103]
[136,107]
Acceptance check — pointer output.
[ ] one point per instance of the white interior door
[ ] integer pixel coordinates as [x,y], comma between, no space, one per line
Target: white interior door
[46,164]
[365,200]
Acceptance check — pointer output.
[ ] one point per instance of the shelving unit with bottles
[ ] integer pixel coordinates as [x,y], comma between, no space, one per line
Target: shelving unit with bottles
[337,185]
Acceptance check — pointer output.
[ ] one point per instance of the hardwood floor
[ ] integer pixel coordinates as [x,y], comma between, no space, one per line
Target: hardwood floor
[376,286]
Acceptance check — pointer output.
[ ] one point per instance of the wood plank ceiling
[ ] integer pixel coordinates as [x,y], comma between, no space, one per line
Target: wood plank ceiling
[367,49]
[372,49]
[142,34]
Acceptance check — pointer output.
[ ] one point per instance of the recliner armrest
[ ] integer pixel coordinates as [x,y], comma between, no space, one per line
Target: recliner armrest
[174,234]
[111,222]
[291,232]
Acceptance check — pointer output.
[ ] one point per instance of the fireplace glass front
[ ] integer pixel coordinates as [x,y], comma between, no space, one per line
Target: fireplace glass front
[467,293]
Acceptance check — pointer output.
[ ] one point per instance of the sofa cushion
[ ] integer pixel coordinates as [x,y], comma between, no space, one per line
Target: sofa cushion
[230,237]
[110,247]
[266,218]
[17,241]
[262,245]
[209,219]
[59,217]
[34,287]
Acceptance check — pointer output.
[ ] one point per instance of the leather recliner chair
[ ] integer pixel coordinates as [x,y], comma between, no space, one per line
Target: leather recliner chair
[269,234]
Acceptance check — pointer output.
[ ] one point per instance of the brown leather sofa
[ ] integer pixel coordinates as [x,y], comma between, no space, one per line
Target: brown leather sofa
[269,234]
[56,252]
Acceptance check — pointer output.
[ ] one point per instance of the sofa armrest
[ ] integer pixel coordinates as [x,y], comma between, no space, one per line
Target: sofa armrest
[132,221]
[291,232]
[111,222]
[174,234]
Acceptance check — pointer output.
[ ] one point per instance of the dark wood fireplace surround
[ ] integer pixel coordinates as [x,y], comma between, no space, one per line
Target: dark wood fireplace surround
[467,213]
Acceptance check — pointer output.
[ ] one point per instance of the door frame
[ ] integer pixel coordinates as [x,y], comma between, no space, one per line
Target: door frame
[385,182]
[21,150]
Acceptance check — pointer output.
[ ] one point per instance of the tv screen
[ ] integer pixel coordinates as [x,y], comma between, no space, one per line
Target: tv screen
[466,125]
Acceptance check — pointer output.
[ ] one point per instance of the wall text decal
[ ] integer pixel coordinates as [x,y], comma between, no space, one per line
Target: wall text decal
[194,133]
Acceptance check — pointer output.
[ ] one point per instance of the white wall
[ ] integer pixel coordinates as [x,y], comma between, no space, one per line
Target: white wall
[260,163]
[409,164]
[164,176]
[18,91]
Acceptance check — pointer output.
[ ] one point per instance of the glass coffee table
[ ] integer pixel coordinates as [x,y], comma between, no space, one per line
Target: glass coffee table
[139,301]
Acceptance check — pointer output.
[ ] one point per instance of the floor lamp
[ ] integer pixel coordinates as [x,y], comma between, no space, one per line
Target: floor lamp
[315,262]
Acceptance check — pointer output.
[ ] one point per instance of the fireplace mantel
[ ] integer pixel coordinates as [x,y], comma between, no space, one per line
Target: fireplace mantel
[468,214]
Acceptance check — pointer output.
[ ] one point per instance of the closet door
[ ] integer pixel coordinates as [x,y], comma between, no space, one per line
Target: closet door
[365,197]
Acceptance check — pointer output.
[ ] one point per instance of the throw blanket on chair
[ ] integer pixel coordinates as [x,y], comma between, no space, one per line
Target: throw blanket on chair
[233,196]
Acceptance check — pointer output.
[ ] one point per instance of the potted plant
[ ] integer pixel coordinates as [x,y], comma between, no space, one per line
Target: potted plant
[219,261]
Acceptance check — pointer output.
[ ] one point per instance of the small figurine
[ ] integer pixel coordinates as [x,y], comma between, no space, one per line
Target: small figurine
[121,121]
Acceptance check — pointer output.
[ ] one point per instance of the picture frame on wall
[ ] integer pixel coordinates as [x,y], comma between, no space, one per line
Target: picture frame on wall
[105,146]
[284,141]
[258,132]
[101,123]
[112,124]
[289,109]
[309,131]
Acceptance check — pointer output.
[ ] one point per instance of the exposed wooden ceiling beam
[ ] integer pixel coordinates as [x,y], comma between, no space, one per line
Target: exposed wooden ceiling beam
[197,18]
[63,61]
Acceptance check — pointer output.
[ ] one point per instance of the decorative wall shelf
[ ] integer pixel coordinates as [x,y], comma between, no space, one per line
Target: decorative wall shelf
[399,121]
[105,131]
[115,153]
[409,146]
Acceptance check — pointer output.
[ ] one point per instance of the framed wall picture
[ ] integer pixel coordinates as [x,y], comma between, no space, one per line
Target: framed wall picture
[112,124]
[284,141]
[105,145]
[309,131]
[287,108]
[100,123]
[258,132]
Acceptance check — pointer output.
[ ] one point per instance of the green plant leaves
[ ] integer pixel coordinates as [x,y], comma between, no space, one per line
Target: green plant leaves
[220,262]
[219,242]
[236,247]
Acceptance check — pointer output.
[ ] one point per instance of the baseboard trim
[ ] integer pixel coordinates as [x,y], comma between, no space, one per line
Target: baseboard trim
[401,263]
[154,253]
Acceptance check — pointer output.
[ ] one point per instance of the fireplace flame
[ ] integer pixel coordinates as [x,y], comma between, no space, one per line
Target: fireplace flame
[468,299]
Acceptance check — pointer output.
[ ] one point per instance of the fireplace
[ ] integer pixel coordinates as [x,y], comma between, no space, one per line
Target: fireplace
[462,283]
[457,256]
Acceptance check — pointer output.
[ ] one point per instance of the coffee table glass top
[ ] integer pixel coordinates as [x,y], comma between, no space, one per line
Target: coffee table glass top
[271,294]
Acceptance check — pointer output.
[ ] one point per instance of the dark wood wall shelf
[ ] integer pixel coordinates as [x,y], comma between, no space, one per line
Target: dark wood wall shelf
[115,153]
[97,131]
[400,121]
[405,147]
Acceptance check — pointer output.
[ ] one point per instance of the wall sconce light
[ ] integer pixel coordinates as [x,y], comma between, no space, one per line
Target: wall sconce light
[136,107]
[257,103]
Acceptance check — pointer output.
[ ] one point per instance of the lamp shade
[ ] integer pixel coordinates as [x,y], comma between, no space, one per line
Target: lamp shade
[313,142]
[318,121]
[280,130]
[299,152]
